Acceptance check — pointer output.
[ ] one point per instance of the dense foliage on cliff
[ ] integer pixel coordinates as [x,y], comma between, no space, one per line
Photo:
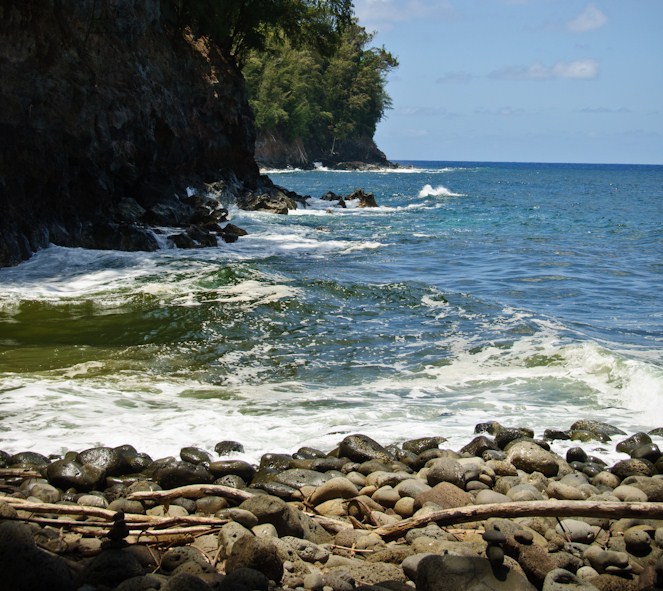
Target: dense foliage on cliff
[301,92]
[313,77]
[239,26]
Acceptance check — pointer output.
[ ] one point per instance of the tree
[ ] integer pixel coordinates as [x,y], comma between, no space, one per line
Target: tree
[329,93]
[239,26]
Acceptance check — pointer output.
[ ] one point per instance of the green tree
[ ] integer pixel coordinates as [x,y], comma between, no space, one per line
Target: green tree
[238,26]
[332,93]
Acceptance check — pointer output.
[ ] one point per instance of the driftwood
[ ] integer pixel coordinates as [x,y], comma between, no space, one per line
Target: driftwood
[331,525]
[19,473]
[525,509]
[134,519]
[192,491]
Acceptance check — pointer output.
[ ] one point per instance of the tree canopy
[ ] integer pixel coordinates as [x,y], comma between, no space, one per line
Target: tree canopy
[299,91]
[311,71]
[239,26]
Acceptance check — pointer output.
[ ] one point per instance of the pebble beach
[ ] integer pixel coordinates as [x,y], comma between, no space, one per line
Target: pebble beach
[365,515]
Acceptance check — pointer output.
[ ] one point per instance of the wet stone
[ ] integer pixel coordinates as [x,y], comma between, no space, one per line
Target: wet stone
[240,468]
[626,468]
[576,454]
[649,451]
[633,442]
[66,474]
[195,455]
[224,448]
[360,448]
[104,458]
[417,446]
[597,427]
[27,459]
[478,446]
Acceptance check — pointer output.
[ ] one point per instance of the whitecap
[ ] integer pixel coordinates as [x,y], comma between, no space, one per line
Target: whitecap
[439,191]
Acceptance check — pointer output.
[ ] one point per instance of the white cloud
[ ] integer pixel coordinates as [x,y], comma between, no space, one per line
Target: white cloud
[455,78]
[589,19]
[501,112]
[382,14]
[584,69]
[437,112]
[604,110]
[578,69]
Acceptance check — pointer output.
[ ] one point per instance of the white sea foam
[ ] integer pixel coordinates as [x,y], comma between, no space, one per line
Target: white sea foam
[439,191]
[84,406]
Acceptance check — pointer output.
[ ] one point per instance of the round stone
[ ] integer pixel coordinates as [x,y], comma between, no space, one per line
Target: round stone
[195,455]
[633,442]
[638,541]
[576,454]
[224,448]
[530,457]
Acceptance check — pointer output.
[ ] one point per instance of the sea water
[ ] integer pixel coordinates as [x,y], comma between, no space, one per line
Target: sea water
[529,294]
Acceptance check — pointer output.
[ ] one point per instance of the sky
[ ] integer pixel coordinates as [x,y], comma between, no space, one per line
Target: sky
[521,80]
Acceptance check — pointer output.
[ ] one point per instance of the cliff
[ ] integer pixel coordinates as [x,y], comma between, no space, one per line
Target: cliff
[273,151]
[108,112]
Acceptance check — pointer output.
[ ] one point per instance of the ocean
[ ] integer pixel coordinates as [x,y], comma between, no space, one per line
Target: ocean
[529,294]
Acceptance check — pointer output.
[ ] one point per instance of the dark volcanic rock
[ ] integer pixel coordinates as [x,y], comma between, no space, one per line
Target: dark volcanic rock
[596,427]
[360,448]
[102,122]
[27,459]
[104,458]
[626,468]
[195,455]
[417,446]
[71,474]
[470,573]
[25,567]
[254,553]
[177,474]
[223,448]
[365,199]
[633,442]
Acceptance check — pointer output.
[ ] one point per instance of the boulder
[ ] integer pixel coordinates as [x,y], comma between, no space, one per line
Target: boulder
[446,470]
[529,457]
[445,495]
[257,554]
[417,446]
[287,520]
[365,199]
[626,468]
[563,580]
[469,573]
[25,567]
[195,455]
[360,448]
[71,474]
[224,448]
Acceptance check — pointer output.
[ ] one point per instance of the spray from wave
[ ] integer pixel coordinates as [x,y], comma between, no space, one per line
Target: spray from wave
[439,191]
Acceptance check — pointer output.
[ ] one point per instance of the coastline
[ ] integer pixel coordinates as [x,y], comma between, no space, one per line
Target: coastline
[360,515]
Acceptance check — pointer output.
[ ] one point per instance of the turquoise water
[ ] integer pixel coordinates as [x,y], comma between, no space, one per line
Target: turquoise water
[525,293]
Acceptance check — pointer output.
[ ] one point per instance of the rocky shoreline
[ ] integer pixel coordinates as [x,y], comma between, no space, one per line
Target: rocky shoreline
[362,516]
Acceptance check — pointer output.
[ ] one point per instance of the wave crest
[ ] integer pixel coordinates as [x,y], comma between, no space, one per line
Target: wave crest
[439,191]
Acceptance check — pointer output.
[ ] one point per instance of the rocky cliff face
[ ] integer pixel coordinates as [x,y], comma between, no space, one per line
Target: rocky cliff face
[273,151]
[107,113]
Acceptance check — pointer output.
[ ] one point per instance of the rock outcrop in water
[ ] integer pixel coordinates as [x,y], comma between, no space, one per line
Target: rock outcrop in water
[358,153]
[108,112]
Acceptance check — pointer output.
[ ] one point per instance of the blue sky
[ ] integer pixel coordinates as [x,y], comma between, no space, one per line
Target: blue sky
[522,80]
